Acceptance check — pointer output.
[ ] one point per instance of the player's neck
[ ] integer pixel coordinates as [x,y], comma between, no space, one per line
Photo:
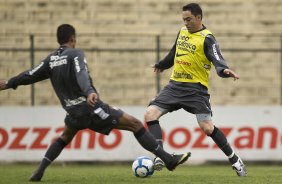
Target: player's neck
[69,45]
[199,28]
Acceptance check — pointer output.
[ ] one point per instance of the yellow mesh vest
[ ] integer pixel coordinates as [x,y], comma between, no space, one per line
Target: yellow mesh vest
[190,63]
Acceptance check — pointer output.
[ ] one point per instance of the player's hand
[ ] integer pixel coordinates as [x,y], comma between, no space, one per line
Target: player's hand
[92,99]
[3,85]
[157,70]
[231,73]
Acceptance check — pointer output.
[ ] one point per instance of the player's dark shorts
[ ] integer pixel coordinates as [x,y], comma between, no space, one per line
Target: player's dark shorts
[192,97]
[94,121]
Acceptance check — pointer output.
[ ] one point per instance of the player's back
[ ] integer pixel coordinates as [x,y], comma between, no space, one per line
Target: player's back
[63,65]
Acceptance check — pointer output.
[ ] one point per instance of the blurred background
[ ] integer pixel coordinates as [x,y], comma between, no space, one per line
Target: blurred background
[121,40]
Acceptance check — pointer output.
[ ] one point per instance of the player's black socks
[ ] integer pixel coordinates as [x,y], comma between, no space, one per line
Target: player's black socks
[155,129]
[221,141]
[55,149]
[52,153]
[147,141]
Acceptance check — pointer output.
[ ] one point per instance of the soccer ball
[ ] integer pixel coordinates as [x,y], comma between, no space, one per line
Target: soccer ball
[143,167]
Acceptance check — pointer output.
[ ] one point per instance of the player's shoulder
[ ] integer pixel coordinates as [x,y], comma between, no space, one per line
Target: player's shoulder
[74,52]
[210,39]
[205,32]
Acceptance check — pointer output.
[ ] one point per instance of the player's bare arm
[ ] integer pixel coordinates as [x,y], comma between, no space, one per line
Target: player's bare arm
[3,85]
[231,73]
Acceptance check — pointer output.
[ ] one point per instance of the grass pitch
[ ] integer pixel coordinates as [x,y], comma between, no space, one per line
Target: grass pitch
[122,174]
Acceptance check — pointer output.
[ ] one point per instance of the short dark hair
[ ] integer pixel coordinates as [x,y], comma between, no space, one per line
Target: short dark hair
[64,33]
[194,8]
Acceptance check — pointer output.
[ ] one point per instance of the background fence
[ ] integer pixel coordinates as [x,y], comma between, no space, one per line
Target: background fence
[121,67]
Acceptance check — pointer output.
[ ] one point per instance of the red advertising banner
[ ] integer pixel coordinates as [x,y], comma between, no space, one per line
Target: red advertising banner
[255,133]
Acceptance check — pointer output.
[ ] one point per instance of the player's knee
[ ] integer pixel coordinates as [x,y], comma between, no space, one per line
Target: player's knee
[67,138]
[128,122]
[147,115]
[207,130]
[207,127]
[136,124]
[151,114]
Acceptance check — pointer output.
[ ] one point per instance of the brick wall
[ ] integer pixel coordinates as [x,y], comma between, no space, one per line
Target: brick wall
[125,78]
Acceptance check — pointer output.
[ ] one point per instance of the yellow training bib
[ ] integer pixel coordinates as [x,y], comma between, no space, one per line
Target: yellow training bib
[190,63]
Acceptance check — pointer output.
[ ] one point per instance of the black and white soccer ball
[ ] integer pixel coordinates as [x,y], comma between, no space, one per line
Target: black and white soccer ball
[143,167]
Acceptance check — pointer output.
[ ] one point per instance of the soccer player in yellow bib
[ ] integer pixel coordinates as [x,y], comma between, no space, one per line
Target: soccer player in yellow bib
[192,56]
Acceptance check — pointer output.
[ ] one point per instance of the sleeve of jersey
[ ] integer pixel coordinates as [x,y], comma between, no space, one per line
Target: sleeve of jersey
[82,75]
[33,75]
[168,60]
[213,53]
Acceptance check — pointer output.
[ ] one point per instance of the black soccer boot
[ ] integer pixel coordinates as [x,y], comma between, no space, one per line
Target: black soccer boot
[177,160]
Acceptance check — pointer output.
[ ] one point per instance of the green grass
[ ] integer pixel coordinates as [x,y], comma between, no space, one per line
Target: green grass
[122,174]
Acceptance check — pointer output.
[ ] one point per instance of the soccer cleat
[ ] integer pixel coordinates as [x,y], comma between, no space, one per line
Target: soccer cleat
[240,168]
[177,160]
[36,176]
[158,164]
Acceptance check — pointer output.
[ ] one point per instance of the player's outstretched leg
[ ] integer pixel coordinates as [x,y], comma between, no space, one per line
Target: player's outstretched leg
[149,143]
